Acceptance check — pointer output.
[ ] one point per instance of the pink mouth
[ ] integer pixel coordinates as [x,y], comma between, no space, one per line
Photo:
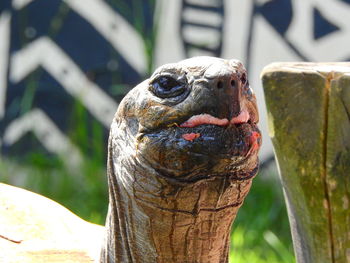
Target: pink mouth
[201,119]
[191,136]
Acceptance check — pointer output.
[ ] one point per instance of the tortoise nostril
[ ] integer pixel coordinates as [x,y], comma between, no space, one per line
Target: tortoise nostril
[244,78]
[220,84]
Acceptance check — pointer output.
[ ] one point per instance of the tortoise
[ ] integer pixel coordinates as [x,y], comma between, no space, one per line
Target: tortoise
[182,153]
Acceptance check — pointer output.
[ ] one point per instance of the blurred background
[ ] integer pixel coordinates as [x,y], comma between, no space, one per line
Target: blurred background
[66,64]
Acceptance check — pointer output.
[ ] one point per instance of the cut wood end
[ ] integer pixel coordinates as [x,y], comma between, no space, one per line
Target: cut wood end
[298,67]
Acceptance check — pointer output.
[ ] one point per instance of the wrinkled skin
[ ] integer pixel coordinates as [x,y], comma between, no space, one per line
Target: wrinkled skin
[175,189]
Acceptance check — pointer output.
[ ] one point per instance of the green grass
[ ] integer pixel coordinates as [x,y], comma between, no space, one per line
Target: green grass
[84,193]
[261,231]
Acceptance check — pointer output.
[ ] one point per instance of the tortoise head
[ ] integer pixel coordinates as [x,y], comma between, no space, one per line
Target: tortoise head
[192,120]
[182,151]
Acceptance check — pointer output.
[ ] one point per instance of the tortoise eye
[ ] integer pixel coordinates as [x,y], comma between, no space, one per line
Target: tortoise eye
[167,87]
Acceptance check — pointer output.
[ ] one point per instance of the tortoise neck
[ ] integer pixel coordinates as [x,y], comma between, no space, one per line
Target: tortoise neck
[153,220]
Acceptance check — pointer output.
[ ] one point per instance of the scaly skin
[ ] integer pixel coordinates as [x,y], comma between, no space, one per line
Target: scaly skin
[174,189]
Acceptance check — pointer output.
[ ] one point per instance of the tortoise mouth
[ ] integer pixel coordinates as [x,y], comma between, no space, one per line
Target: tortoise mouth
[196,120]
[239,136]
[201,145]
[218,150]
[207,135]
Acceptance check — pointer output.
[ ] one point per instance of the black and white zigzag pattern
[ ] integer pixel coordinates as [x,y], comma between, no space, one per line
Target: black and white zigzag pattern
[55,54]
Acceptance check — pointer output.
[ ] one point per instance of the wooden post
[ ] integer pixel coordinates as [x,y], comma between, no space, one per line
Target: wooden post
[308,108]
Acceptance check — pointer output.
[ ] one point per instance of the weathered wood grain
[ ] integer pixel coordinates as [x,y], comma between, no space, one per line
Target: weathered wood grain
[338,165]
[308,112]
